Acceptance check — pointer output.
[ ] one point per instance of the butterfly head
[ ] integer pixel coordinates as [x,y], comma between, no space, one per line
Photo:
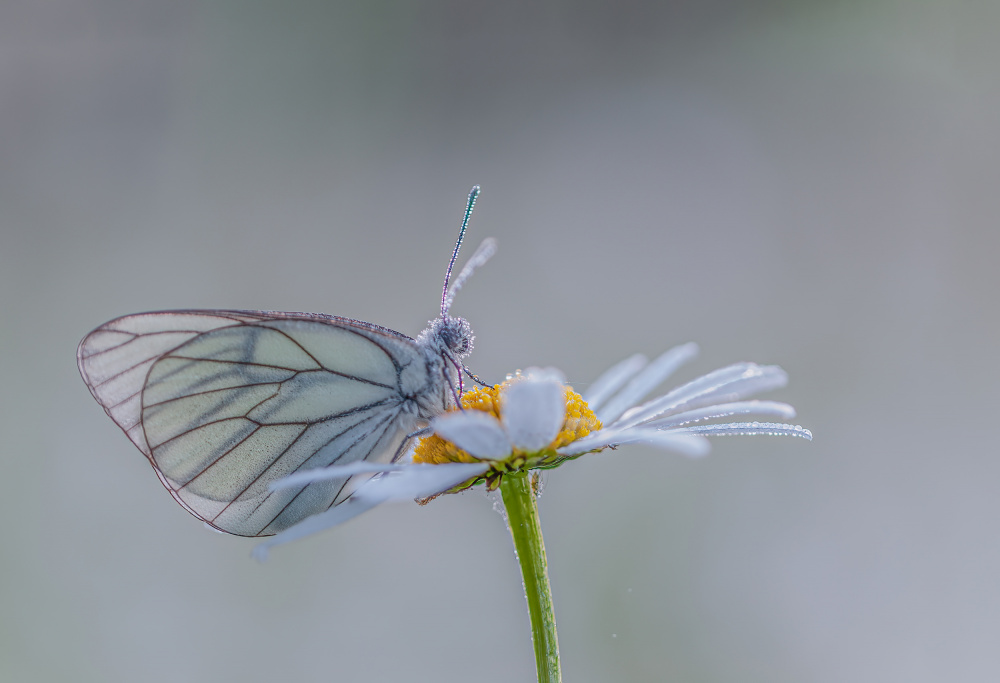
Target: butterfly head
[449,336]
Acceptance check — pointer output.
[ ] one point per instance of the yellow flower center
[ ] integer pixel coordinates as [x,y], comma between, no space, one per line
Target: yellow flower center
[580,421]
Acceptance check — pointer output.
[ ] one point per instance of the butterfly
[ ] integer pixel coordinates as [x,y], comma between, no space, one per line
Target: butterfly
[223,402]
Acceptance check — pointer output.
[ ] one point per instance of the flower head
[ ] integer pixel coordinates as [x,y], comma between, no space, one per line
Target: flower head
[518,425]
[534,420]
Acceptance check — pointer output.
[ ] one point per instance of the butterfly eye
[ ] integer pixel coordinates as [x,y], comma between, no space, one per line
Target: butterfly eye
[457,336]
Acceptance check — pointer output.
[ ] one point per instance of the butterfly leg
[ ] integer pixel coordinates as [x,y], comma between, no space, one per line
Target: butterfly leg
[474,377]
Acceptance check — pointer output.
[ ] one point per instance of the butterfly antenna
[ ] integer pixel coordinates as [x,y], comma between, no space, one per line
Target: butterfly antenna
[473,195]
[481,255]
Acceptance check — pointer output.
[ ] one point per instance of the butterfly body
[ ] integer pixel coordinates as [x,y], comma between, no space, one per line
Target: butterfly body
[225,402]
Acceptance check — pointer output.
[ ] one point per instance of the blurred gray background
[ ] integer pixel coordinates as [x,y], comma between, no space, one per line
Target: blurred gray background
[813,184]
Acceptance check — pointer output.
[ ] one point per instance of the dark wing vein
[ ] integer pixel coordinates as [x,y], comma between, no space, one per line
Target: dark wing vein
[331,370]
[208,392]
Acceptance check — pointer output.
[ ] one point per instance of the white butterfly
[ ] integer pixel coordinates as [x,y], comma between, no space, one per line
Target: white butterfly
[223,403]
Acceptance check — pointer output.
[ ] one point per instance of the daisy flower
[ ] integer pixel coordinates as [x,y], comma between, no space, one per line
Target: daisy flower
[534,421]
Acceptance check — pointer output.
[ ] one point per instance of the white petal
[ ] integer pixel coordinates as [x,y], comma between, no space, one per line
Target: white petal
[533,411]
[713,412]
[686,444]
[681,442]
[613,379]
[602,438]
[646,381]
[544,374]
[420,481]
[761,378]
[750,429]
[678,396]
[475,432]
[332,472]
[403,483]
[730,383]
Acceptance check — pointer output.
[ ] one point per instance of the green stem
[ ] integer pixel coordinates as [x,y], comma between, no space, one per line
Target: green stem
[526,530]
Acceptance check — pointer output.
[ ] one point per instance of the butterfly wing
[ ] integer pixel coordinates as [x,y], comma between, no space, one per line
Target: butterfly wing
[225,402]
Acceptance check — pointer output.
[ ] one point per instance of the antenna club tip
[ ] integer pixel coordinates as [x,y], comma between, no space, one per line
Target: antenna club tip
[475,191]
